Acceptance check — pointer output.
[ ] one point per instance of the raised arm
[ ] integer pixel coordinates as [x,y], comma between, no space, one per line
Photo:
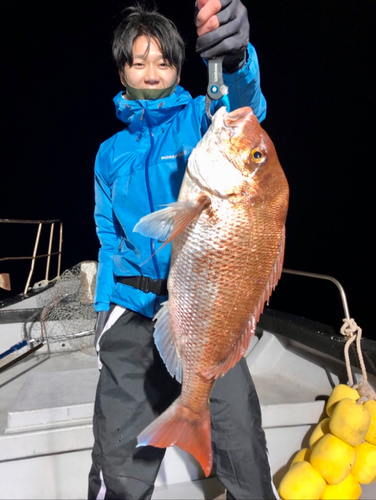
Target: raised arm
[223,30]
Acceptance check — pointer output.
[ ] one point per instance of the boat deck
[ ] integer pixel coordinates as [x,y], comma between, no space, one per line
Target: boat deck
[46,408]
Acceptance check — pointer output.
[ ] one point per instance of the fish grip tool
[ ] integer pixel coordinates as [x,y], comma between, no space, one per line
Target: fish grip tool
[216,89]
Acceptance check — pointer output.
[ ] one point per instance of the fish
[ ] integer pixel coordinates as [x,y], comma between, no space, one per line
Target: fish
[227,231]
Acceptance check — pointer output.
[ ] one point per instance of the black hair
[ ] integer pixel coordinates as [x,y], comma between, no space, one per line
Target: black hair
[140,20]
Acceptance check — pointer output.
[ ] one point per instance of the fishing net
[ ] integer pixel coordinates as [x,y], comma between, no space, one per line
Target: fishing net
[65,318]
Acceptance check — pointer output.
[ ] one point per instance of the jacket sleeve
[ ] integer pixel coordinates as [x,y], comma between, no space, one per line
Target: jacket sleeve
[108,238]
[244,86]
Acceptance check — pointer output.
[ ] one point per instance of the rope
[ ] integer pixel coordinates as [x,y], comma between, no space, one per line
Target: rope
[354,333]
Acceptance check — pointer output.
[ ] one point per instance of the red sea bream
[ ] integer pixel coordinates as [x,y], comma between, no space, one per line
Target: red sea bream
[228,236]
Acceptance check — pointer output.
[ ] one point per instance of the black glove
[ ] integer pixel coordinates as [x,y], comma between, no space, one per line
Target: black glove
[229,39]
[102,318]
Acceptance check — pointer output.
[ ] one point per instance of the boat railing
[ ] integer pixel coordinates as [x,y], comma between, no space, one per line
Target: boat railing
[328,278]
[40,224]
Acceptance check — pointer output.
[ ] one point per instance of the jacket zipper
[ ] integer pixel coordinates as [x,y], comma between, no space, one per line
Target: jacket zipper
[151,205]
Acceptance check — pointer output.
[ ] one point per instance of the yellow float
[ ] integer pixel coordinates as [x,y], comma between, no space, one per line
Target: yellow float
[364,470]
[348,489]
[302,482]
[319,431]
[301,455]
[350,421]
[340,391]
[371,434]
[342,453]
[333,458]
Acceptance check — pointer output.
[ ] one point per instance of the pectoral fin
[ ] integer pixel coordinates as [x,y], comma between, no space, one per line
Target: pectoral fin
[166,224]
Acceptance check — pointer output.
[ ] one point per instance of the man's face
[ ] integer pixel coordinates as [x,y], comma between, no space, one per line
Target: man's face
[149,69]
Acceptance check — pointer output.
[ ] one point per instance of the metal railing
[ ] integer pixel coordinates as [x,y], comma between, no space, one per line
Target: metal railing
[34,256]
[328,278]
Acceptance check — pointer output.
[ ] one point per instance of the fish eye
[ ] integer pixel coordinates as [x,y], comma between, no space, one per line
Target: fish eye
[258,155]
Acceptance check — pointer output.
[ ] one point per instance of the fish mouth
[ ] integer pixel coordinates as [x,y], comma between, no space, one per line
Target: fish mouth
[238,117]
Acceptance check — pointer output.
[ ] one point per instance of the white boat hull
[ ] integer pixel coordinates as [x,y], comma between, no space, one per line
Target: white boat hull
[46,409]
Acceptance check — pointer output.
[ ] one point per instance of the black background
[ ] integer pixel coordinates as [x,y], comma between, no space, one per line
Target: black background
[317,61]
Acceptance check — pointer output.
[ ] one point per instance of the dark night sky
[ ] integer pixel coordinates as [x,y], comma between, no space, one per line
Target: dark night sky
[317,62]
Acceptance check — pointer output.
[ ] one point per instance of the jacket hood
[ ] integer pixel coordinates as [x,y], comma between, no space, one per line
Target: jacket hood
[159,110]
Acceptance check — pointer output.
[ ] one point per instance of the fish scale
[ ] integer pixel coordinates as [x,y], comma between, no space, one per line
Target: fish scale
[195,320]
[228,232]
[213,295]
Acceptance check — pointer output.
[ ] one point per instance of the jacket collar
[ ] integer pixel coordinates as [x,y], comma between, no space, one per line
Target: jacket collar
[158,111]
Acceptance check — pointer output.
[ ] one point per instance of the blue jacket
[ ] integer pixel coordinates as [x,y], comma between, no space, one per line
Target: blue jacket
[141,168]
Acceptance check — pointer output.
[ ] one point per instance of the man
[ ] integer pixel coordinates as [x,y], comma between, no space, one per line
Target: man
[137,170]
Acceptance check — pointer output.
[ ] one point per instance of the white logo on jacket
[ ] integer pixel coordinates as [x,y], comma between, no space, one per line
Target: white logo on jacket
[171,157]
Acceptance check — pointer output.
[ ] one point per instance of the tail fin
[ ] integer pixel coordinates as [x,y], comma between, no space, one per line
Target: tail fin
[181,427]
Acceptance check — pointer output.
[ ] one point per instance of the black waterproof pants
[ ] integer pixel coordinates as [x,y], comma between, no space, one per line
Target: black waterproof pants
[134,388]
